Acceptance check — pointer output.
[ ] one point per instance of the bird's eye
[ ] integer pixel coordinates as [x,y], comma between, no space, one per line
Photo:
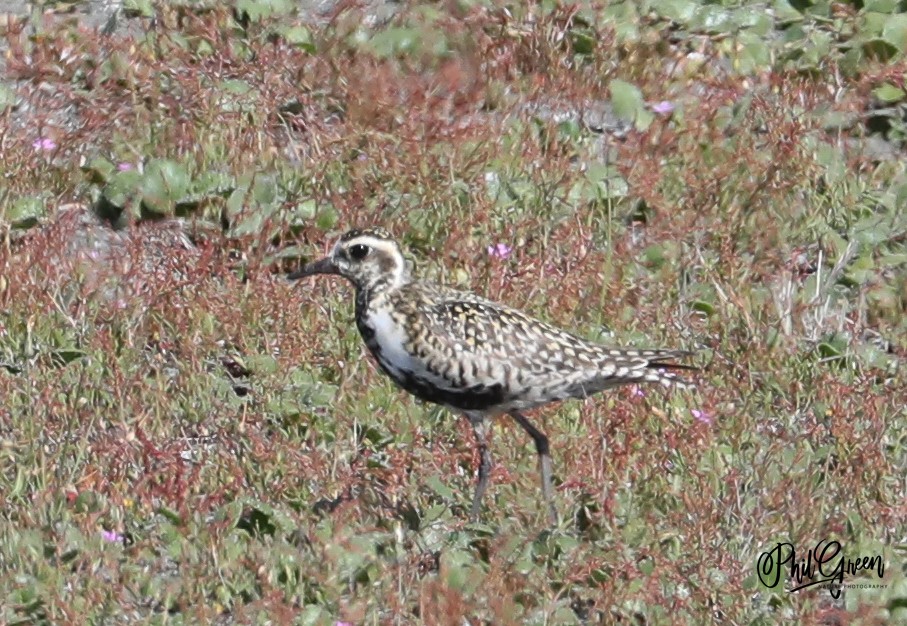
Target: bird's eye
[359,251]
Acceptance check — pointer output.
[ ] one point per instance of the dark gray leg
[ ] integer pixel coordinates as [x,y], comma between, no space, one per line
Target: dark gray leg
[541,446]
[480,428]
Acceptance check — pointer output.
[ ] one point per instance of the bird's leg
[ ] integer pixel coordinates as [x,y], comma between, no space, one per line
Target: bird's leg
[541,446]
[480,428]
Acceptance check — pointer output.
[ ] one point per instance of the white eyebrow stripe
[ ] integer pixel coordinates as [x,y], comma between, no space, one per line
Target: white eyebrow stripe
[374,243]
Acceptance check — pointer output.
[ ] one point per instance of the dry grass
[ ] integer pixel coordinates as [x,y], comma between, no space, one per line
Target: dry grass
[251,461]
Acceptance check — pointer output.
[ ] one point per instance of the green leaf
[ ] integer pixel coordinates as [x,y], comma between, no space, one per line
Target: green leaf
[373,437]
[785,13]
[257,10]
[861,270]
[654,255]
[66,356]
[210,188]
[122,188]
[7,97]
[215,183]
[99,170]
[433,514]
[900,195]
[582,41]
[304,389]
[627,100]
[138,8]
[678,10]
[164,183]
[24,213]
[703,307]
[893,260]
[752,52]
[235,86]
[172,516]
[714,19]
[566,543]
[872,24]
[265,190]
[204,48]
[262,364]
[831,158]
[434,483]
[251,222]
[305,211]
[564,615]
[880,6]
[394,41]
[87,502]
[327,218]
[235,203]
[895,31]
[314,615]
[832,347]
[237,95]
[299,36]
[872,230]
[295,253]
[872,356]
[879,49]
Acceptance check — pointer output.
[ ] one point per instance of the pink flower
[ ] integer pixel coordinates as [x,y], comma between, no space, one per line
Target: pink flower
[343,624]
[500,251]
[111,536]
[44,143]
[124,167]
[701,416]
[665,107]
[637,392]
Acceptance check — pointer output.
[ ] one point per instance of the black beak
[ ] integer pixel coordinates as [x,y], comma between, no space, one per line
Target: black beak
[322,266]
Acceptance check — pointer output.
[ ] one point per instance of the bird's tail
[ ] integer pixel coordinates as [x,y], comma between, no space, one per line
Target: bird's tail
[652,366]
[661,366]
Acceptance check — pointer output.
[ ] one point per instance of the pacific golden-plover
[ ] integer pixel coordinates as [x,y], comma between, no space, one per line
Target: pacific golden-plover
[472,355]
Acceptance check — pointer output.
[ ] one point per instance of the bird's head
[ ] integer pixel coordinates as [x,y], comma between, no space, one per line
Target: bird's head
[370,259]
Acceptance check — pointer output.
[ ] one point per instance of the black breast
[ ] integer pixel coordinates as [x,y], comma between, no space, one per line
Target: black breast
[475,398]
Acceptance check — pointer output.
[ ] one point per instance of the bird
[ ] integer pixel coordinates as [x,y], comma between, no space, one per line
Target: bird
[477,357]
